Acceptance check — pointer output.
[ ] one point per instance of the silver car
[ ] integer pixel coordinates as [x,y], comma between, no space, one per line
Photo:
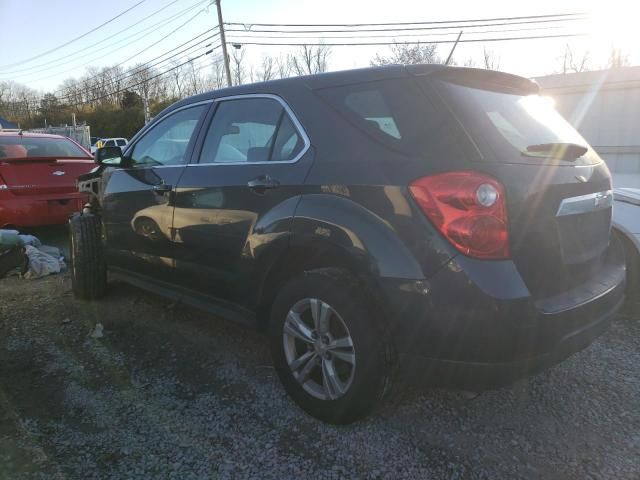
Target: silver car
[626,223]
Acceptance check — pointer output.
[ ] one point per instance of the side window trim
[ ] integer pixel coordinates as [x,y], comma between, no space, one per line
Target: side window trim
[192,142]
[209,119]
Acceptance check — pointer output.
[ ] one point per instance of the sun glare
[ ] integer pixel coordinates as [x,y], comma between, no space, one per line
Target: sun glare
[615,24]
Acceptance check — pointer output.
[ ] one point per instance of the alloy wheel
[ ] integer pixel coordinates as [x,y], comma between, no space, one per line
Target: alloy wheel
[319,349]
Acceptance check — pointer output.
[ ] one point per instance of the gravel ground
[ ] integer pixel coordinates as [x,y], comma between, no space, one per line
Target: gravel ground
[169,392]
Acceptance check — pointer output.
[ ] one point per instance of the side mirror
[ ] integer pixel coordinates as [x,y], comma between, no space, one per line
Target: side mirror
[111,156]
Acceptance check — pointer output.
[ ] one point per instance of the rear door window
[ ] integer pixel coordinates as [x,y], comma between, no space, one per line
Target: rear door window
[251,130]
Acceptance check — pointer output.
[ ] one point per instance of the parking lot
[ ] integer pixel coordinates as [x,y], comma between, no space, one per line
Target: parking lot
[175,393]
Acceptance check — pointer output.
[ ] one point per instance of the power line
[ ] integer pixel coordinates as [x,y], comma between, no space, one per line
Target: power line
[142,68]
[163,38]
[468,40]
[153,45]
[74,39]
[394,35]
[159,24]
[457,26]
[115,81]
[129,87]
[408,23]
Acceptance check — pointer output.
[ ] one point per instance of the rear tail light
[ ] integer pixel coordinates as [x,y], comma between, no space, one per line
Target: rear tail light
[469,209]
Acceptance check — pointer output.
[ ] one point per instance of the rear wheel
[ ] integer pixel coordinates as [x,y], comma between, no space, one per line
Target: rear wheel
[327,348]
[88,268]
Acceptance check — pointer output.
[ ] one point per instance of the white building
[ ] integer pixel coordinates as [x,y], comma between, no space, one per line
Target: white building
[605,108]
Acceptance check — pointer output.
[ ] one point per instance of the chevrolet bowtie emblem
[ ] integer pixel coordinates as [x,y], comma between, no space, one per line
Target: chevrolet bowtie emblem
[58,173]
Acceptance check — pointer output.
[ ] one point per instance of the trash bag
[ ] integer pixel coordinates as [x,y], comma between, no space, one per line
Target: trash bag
[41,263]
[11,259]
[10,238]
[30,240]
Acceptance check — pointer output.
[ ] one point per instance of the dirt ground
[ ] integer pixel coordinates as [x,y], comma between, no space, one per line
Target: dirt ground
[170,392]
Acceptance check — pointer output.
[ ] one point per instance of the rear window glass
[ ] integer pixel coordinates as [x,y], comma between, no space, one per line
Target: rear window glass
[395,112]
[514,123]
[371,106]
[23,147]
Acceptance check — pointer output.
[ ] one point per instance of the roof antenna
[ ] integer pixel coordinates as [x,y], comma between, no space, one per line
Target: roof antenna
[453,48]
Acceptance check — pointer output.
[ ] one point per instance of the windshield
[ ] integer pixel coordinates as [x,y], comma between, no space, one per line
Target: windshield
[34,147]
[510,124]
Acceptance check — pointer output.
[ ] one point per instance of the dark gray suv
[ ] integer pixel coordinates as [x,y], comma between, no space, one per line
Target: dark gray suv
[382,225]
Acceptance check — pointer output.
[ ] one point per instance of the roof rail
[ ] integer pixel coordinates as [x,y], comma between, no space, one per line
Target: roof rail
[18,130]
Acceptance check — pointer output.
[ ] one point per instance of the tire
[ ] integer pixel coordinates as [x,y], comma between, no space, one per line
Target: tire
[632,290]
[88,268]
[360,385]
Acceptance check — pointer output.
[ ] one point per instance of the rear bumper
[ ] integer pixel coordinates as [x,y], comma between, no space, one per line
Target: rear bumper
[453,332]
[33,211]
[468,374]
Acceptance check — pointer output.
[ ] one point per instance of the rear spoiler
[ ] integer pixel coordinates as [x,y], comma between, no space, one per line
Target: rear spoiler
[479,78]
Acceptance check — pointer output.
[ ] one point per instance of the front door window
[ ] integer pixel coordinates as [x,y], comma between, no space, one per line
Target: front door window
[167,142]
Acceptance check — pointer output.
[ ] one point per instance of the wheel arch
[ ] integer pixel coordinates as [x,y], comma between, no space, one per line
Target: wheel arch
[633,240]
[334,232]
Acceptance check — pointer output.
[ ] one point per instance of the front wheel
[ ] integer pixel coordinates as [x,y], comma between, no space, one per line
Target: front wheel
[88,268]
[327,346]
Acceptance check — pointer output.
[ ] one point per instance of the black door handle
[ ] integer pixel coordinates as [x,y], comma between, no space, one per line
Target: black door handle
[162,188]
[262,183]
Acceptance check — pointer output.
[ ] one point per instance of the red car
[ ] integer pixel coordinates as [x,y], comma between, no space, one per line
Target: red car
[38,175]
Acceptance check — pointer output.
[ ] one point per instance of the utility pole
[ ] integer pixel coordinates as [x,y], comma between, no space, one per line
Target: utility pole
[453,49]
[224,44]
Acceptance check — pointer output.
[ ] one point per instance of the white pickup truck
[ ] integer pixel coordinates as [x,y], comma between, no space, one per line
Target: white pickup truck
[109,142]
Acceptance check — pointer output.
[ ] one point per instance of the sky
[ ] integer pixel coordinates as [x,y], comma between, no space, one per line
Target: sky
[31,28]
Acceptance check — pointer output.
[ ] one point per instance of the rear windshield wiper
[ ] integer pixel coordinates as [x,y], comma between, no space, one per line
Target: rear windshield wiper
[565,151]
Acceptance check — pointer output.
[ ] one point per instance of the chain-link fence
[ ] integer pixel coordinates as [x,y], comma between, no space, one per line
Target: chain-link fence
[80,133]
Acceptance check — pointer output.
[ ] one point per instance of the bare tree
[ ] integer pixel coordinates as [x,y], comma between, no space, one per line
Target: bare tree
[618,58]
[283,66]
[238,69]
[490,61]
[573,61]
[146,83]
[267,69]
[310,59]
[195,82]
[408,54]
[217,79]
[19,103]
[177,79]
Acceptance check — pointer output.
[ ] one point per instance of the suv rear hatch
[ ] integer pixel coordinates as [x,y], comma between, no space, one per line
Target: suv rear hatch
[558,190]
[439,120]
